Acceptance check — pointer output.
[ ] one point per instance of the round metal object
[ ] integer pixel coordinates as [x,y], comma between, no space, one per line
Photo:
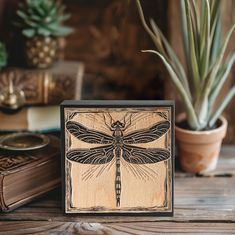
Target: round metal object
[23,141]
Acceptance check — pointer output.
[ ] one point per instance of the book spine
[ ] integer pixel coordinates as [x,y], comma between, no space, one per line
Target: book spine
[3,206]
[46,86]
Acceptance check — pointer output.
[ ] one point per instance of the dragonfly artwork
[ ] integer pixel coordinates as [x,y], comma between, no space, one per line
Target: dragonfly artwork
[119,146]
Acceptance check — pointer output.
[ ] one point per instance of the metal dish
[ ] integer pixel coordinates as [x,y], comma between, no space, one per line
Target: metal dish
[23,141]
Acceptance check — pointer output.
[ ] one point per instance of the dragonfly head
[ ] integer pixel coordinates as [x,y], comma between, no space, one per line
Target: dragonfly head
[117,124]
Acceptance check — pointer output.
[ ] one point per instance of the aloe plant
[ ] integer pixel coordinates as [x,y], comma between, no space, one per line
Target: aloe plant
[3,56]
[206,70]
[43,18]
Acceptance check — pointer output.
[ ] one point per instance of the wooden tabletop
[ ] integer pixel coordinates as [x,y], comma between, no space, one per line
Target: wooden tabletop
[204,204]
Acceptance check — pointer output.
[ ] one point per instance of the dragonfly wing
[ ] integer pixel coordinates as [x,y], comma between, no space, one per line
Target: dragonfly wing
[139,155]
[147,135]
[95,156]
[87,135]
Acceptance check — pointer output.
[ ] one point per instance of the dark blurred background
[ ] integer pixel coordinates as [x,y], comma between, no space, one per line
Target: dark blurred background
[109,37]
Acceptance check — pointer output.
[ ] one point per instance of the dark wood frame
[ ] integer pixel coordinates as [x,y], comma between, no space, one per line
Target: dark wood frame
[118,104]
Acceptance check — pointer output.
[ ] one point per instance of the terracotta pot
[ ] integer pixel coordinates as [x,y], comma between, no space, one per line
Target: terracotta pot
[199,150]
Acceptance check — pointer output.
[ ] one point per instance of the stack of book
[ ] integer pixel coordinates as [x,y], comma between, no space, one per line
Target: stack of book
[26,175]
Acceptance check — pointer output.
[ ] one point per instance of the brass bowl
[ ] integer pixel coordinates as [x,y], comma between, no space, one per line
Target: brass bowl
[23,141]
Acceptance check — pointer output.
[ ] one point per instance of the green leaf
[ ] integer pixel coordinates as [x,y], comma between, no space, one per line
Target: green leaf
[158,39]
[204,55]
[29,33]
[222,78]
[205,42]
[196,15]
[192,119]
[43,17]
[215,11]
[31,23]
[36,18]
[3,55]
[63,18]
[54,26]
[195,27]
[62,31]
[44,32]
[53,10]
[21,14]
[192,52]
[222,106]
[218,63]
[145,25]
[215,41]
[185,32]
[40,11]
[177,66]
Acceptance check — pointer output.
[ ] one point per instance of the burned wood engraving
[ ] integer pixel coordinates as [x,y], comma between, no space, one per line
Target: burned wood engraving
[118,146]
[118,160]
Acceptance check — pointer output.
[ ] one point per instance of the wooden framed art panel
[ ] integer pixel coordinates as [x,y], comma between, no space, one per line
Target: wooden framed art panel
[118,157]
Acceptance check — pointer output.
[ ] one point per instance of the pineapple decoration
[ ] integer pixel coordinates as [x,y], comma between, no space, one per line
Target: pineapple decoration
[41,23]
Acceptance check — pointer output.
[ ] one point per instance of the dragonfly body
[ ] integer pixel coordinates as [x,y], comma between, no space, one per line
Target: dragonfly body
[118,146]
[117,129]
[118,175]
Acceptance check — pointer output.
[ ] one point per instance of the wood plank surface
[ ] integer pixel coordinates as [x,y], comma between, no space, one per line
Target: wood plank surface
[226,164]
[145,228]
[203,205]
[196,199]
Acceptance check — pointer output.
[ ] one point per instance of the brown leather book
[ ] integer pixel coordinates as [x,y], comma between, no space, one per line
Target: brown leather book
[51,86]
[28,175]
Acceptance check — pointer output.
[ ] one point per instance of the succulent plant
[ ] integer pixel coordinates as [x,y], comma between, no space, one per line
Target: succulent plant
[200,83]
[42,18]
[3,55]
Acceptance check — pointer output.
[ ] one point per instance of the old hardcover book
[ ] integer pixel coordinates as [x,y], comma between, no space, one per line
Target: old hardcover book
[27,175]
[42,119]
[49,86]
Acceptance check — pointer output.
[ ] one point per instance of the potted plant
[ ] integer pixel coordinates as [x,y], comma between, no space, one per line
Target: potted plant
[200,130]
[41,24]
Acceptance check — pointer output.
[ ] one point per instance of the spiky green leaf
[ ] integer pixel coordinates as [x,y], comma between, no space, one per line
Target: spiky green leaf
[204,55]
[3,55]
[29,33]
[42,17]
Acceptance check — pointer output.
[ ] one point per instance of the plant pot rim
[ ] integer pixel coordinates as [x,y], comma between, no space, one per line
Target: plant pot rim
[223,125]
[201,137]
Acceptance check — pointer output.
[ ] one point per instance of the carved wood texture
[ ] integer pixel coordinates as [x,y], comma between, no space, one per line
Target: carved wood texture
[144,180]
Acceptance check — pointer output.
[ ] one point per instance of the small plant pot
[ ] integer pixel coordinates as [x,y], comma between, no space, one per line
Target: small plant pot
[199,150]
[41,52]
